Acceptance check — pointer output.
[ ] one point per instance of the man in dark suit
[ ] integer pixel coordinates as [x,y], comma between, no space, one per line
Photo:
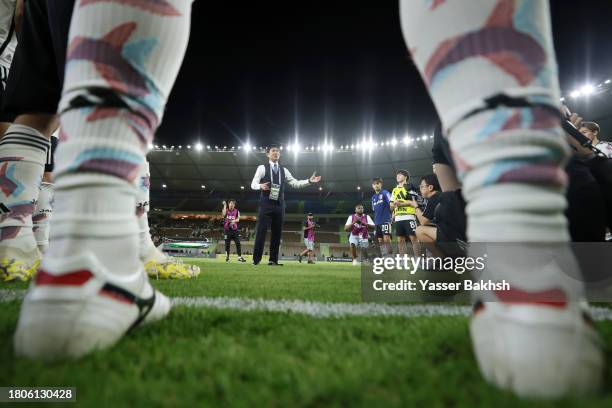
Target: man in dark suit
[271,179]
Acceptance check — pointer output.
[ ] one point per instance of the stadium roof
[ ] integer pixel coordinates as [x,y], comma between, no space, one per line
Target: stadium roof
[341,170]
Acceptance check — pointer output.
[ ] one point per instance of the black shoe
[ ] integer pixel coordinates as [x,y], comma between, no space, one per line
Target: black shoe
[310,262]
[300,258]
[227,259]
[274,264]
[241,259]
[255,263]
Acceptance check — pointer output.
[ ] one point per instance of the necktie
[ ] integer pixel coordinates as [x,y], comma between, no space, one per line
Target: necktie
[275,170]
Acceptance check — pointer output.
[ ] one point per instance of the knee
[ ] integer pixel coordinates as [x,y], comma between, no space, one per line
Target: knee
[45,123]
[420,233]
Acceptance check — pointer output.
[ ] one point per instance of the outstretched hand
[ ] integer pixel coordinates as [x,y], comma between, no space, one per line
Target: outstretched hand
[264,186]
[314,178]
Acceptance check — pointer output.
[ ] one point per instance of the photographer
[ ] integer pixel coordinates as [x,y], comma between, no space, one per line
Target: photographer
[231,231]
[357,224]
[308,229]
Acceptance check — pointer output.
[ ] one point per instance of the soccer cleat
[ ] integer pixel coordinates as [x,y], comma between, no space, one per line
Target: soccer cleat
[227,259]
[81,307]
[355,262]
[168,267]
[241,259]
[545,350]
[300,258]
[310,262]
[17,264]
[12,270]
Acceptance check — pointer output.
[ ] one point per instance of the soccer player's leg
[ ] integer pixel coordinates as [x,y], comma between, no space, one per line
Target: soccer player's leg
[402,233]
[490,68]
[121,63]
[30,103]
[44,205]
[157,264]
[415,246]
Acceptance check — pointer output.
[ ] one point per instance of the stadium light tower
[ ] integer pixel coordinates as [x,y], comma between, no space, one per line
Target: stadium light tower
[199,147]
[247,146]
[164,186]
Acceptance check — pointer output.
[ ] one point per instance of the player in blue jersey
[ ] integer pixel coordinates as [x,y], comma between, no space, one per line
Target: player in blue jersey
[381,205]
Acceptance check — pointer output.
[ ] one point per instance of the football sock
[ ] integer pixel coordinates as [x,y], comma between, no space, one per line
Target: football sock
[42,215]
[23,152]
[122,60]
[490,69]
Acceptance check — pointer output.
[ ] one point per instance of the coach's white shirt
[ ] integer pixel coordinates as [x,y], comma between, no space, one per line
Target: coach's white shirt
[261,172]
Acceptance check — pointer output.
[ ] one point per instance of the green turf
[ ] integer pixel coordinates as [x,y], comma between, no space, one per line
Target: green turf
[206,357]
[335,282]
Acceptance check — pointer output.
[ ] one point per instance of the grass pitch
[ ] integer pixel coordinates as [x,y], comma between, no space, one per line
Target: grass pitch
[213,357]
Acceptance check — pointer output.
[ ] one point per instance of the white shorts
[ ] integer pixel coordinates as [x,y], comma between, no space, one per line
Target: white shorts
[309,244]
[359,242]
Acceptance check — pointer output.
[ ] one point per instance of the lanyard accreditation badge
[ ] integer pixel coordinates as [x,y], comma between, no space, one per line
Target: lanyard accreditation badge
[274,187]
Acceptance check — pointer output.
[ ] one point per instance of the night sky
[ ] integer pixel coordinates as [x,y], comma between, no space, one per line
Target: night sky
[263,71]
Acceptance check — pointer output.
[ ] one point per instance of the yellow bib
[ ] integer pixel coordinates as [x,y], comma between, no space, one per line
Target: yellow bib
[401,193]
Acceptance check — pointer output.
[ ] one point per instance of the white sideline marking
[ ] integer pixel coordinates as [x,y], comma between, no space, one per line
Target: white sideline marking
[320,310]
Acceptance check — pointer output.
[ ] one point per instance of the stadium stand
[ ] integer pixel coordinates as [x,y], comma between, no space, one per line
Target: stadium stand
[196,182]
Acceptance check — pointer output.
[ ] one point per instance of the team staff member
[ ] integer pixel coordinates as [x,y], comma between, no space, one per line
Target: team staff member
[381,205]
[271,179]
[404,206]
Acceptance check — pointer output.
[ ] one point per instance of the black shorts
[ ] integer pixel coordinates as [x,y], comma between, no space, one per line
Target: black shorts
[405,228]
[37,72]
[450,217]
[232,235]
[382,230]
[50,163]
